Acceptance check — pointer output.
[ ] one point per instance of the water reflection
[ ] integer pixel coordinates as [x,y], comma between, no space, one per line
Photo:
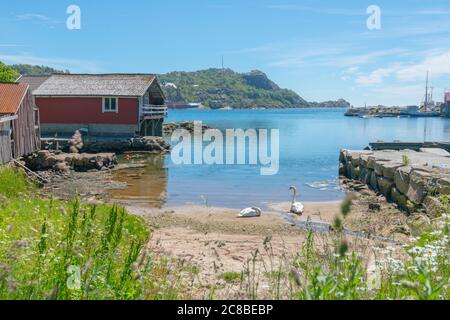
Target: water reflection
[146,185]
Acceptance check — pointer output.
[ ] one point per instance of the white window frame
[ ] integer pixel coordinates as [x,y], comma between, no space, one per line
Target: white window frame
[110,111]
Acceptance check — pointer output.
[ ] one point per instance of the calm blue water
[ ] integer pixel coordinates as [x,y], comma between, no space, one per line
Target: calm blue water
[310,140]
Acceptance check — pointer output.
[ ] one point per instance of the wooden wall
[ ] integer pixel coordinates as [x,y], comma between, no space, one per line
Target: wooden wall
[24,131]
[5,143]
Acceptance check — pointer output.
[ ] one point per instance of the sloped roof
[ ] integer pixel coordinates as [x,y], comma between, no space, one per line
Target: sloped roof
[33,81]
[95,85]
[11,96]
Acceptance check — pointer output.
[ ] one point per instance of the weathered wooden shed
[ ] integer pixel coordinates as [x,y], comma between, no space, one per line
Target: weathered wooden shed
[17,122]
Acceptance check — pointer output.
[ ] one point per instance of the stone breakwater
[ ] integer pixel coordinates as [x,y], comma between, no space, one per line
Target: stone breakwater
[413,180]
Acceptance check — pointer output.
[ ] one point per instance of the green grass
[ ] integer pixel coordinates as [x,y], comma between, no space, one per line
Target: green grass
[232,276]
[51,249]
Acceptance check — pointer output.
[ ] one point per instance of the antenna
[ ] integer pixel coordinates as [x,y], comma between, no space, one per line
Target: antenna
[222,63]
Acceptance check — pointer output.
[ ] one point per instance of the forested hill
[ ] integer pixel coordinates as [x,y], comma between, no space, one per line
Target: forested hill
[218,88]
[30,70]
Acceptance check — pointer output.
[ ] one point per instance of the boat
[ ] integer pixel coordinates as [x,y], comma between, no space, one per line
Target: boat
[427,108]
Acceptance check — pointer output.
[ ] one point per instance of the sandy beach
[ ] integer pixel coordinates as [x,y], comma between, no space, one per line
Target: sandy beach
[219,242]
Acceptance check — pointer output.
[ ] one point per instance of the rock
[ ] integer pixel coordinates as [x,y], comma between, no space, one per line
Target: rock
[399,198]
[157,144]
[373,183]
[418,223]
[418,181]
[189,126]
[385,186]
[354,156]
[342,170]
[434,207]
[371,162]
[443,186]
[73,149]
[343,156]
[390,168]
[373,206]
[436,151]
[364,175]
[76,143]
[401,179]
[357,172]
[379,167]
[61,167]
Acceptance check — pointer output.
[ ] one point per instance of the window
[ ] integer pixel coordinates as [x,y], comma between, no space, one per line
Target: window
[110,105]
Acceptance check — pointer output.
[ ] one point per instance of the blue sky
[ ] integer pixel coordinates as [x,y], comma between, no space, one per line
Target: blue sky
[321,49]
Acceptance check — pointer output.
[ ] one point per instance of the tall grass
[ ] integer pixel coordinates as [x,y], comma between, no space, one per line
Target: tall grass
[52,249]
[339,269]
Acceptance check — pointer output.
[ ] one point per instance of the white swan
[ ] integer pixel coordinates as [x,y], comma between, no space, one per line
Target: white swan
[250,212]
[296,207]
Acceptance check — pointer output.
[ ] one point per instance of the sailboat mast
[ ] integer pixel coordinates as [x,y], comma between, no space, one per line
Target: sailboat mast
[426,93]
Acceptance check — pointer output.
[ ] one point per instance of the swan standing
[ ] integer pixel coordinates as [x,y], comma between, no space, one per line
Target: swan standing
[296,207]
[250,212]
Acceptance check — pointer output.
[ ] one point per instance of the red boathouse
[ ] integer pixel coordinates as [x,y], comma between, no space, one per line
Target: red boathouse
[109,105]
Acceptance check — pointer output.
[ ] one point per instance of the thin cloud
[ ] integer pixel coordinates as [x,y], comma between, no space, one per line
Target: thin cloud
[36,17]
[328,11]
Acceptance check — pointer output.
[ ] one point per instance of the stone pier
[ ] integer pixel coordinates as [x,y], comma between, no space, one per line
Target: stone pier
[413,180]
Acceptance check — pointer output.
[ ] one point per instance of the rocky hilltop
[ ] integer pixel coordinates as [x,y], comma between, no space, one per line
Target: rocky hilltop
[220,88]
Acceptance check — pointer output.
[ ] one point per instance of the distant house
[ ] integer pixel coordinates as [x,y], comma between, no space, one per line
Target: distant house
[17,122]
[446,107]
[107,105]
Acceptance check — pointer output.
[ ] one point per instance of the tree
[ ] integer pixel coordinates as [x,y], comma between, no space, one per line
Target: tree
[7,74]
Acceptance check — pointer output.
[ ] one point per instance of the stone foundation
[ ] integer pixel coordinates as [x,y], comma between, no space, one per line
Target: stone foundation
[413,180]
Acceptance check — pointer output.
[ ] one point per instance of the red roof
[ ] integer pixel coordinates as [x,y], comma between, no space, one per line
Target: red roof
[11,96]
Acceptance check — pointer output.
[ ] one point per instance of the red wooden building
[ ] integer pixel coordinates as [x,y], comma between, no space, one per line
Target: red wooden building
[17,122]
[110,105]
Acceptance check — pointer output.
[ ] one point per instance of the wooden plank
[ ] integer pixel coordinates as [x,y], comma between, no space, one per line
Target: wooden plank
[8,118]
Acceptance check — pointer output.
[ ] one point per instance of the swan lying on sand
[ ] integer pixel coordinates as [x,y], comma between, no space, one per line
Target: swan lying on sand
[250,212]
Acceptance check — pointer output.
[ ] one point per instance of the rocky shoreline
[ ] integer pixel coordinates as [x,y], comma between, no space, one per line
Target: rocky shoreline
[120,145]
[412,180]
[170,127]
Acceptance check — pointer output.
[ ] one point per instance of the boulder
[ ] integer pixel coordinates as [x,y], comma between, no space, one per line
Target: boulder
[157,144]
[371,161]
[390,168]
[354,156]
[399,199]
[364,175]
[401,179]
[418,181]
[342,169]
[379,167]
[373,183]
[385,186]
[443,186]
[418,223]
[434,207]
